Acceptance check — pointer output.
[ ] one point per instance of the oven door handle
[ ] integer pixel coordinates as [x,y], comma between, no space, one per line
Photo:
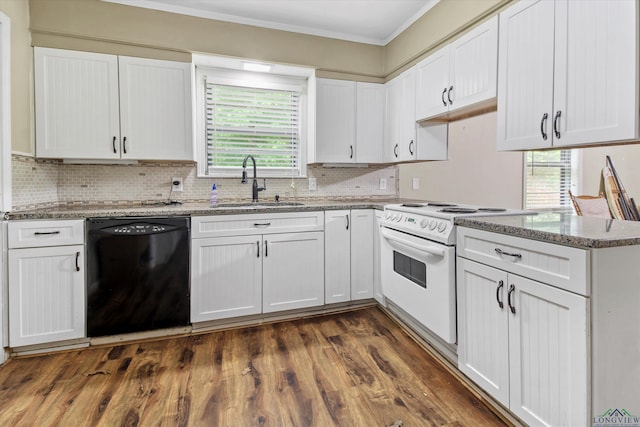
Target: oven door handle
[394,241]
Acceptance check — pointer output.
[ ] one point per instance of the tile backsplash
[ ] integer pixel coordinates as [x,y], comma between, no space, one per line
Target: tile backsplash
[38,183]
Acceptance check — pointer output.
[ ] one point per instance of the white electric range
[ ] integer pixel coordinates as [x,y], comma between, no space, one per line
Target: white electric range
[418,260]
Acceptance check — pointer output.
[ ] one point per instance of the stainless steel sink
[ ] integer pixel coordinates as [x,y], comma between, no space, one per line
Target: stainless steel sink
[258,205]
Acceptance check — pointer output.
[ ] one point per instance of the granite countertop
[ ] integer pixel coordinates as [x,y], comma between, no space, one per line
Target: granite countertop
[561,228]
[81,211]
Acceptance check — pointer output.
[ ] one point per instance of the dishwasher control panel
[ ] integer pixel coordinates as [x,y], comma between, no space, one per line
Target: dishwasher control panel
[139,229]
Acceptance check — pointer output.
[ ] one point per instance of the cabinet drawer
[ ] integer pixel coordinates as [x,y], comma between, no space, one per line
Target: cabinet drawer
[246,224]
[561,266]
[31,234]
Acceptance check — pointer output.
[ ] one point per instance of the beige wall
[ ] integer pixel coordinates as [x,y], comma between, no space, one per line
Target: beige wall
[105,27]
[475,172]
[88,24]
[21,83]
[625,158]
[446,20]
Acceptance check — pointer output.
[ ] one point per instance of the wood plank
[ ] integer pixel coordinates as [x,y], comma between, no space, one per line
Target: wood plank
[355,368]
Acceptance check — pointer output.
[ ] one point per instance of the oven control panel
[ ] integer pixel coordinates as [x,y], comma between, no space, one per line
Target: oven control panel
[437,229]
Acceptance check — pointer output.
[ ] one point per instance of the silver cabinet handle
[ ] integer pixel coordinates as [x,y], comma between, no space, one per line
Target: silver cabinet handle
[261,224]
[543,122]
[124,145]
[501,252]
[266,249]
[512,290]
[258,247]
[442,97]
[556,128]
[77,258]
[449,95]
[500,286]
[114,145]
[347,217]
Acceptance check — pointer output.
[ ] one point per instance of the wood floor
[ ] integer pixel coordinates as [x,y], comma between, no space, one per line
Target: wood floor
[351,369]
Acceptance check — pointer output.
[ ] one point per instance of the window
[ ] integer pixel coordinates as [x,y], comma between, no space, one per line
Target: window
[242,113]
[548,179]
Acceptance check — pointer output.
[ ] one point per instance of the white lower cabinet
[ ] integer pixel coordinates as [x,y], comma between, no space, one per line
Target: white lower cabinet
[241,265]
[46,282]
[292,271]
[349,255]
[377,273]
[523,341]
[226,277]
[337,257]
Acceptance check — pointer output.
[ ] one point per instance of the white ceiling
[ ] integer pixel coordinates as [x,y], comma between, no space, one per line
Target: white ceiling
[366,21]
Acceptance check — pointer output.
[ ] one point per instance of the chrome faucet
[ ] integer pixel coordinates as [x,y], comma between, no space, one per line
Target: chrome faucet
[255,189]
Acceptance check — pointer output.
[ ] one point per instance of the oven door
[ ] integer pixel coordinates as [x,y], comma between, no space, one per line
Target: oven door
[418,275]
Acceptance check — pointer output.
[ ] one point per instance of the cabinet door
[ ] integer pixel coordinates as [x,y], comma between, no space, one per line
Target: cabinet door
[392,120]
[548,354]
[362,242]
[46,295]
[432,85]
[369,122]
[377,279]
[474,66]
[226,277]
[155,109]
[76,104]
[335,121]
[525,76]
[337,256]
[483,331]
[596,69]
[408,146]
[293,271]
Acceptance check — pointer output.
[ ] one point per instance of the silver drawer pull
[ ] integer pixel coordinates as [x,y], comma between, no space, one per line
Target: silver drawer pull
[261,224]
[42,233]
[501,252]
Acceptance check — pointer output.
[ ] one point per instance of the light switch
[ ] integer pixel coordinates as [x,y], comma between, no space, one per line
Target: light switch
[383,183]
[313,184]
[416,183]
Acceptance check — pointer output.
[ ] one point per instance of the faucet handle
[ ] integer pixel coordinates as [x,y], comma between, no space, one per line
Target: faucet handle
[264,183]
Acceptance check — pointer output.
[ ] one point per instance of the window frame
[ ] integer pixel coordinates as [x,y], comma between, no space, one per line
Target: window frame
[573,185]
[232,77]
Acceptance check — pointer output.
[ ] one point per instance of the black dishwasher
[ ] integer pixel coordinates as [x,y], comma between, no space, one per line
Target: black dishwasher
[137,274]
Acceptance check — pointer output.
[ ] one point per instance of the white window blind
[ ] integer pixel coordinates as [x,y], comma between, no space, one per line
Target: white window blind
[261,122]
[548,179]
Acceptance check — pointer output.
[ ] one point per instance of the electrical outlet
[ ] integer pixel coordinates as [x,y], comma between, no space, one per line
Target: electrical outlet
[313,184]
[383,183]
[416,183]
[176,184]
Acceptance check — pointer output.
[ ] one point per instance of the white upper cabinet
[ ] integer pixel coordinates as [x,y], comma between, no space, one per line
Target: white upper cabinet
[370,98]
[98,106]
[400,131]
[155,109]
[76,104]
[335,121]
[569,83]
[349,121]
[460,76]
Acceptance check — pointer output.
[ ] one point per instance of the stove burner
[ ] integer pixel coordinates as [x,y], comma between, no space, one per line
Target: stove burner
[492,209]
[413,205]
[458,210]
[440,204]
